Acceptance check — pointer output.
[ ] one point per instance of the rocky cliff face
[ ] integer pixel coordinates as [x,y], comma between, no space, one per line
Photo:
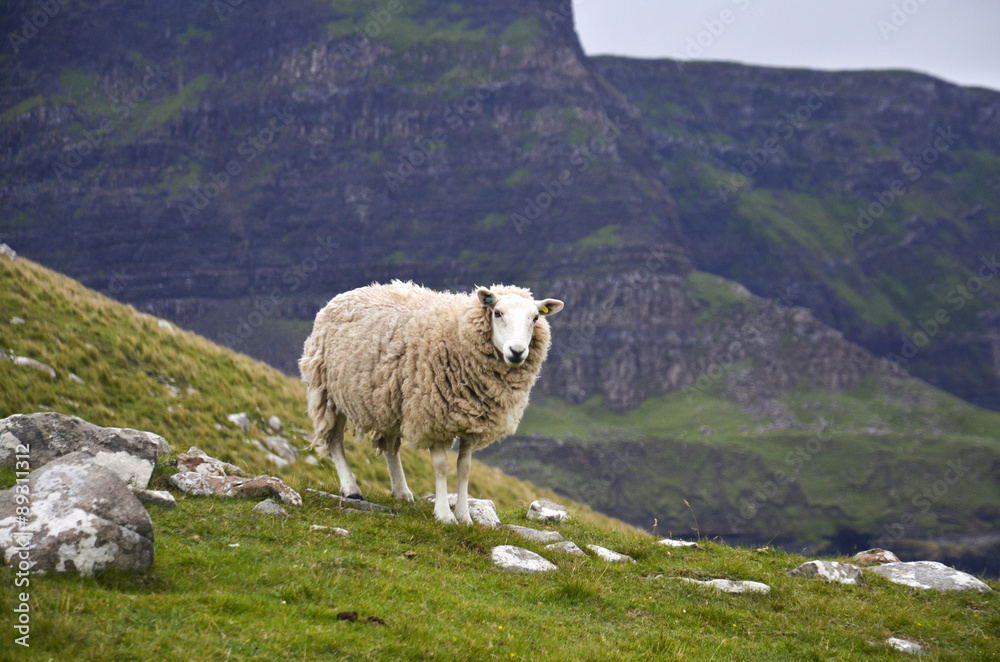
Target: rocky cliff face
[232,166]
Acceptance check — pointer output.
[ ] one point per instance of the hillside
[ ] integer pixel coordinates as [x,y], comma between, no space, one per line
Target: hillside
[232,585]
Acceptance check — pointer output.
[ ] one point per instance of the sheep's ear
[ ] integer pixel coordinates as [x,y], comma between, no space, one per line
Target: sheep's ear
[549,306]
[486,297]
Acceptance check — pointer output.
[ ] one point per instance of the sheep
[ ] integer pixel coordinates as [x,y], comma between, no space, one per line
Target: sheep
[415,366]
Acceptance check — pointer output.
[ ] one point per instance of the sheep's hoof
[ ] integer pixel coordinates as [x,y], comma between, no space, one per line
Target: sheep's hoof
[446,519]
[467,520]
[356,497]
[406,497]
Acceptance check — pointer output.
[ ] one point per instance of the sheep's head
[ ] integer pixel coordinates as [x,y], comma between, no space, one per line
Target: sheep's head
[513,321]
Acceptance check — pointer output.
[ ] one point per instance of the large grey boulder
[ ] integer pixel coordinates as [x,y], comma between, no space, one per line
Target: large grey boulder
[830,571]
[930,575]
[132,454]
[511,557]
[82,519]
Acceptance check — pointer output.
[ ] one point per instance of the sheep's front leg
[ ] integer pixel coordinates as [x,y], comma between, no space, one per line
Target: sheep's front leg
[464,467]
[442,511]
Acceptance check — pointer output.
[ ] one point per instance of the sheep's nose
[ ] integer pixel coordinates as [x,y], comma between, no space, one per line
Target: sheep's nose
[516,355]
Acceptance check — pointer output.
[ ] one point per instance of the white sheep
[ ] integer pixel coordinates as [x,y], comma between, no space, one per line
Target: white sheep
[420,367]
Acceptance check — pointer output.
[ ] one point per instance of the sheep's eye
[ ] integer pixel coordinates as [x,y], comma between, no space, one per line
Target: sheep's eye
[497,314]
[534,320]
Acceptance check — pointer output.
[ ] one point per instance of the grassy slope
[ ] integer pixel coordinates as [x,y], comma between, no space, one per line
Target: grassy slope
[278,593]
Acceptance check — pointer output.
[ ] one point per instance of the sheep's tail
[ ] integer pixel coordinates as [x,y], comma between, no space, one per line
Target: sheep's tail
[321,411]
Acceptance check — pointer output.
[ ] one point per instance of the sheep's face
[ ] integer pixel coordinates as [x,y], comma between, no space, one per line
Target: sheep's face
[514,319]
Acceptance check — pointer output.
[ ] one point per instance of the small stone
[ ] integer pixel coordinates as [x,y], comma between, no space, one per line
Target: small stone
[535,534]
[609,555]
[544,510]
[160,498]
[352,505]
[331,529]
[16,320]
[37,365]
[8,252]
[566,547]
[730,586]
[875,556]
[830,571]
[198,461]
[270,508]
[73,377]
[282,447]
[511,557]
[240,420]
[311,459]
[275,424]
[165,326]
[276,460]
[930,575]
[482,511]
[905,646]
[669,542]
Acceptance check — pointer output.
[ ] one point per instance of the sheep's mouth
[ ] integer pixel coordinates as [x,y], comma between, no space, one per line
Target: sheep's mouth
[512,363]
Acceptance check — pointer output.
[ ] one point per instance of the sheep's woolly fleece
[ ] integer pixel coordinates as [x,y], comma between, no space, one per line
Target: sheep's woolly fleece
[402,360]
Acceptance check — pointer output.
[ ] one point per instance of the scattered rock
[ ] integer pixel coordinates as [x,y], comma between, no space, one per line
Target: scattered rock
[16,321]
[609,555]
[669,542]
[311,459]
[332,529]
[510,557]
[83,519]
[352,504]
[8,252]
[535,534]
[905,646]
[276,460]
[730,586]
[37,365]
[930,575]
[198,461]
[275,424]
[566,547]
[271,509]
[282,447]
[160,498]
[240,420]
[876,556]
[830,571]
[482,511]
[132,454]
[544,510]
[199,484]
[73,377]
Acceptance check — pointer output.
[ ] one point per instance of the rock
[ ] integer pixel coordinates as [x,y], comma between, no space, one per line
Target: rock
[131,453]
[198,461]
[275,424]
[930,575]
[510,557]
[905,646]
[269,508]
[875,556]
[37,365]
[73,377]
[240,420]
[830,571]
[83,519]
[282,448]
[160,498]
[276,460]
[334,529]
[311,459]
[352,504]
[8,252]
[16,321]
[609,555]
[482,511]
[535,534]
[544,510]
[133,471]
[566,547]
[731,586]
[164,325]
[669,542]
[199,484]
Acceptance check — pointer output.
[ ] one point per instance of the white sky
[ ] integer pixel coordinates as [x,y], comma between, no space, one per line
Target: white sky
[957,40]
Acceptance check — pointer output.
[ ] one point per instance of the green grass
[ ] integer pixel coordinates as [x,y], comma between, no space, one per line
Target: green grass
[231,585]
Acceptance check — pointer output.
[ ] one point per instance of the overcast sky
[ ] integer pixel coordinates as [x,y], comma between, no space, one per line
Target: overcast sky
[957,40]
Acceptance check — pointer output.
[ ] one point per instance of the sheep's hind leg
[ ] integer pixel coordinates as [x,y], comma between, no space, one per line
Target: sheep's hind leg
[335,446]
[442,511]
[400,490]
[464,468]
